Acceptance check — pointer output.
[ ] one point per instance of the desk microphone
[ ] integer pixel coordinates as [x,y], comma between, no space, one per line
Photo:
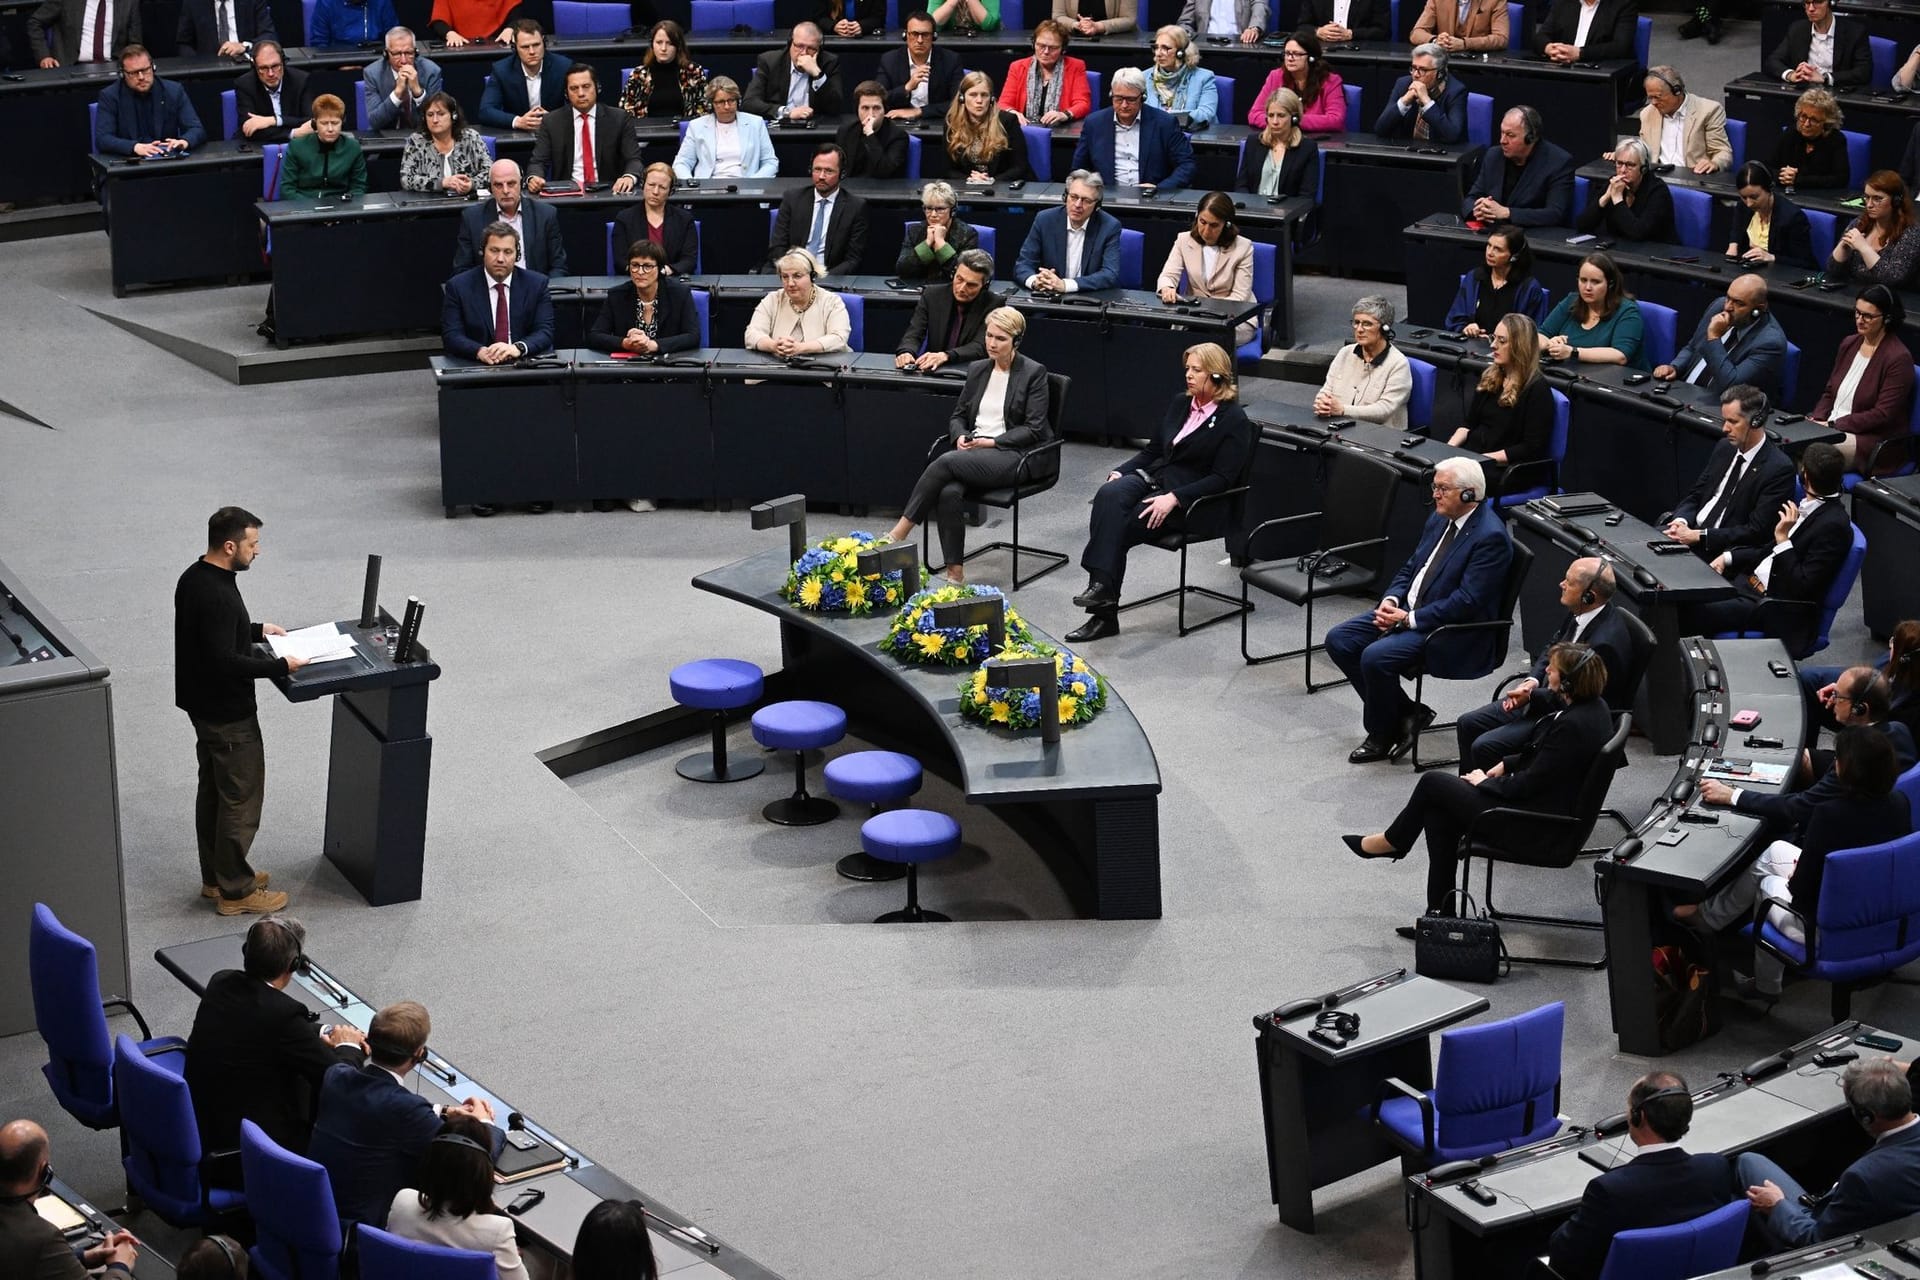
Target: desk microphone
[1454,1168]
[1755,1072]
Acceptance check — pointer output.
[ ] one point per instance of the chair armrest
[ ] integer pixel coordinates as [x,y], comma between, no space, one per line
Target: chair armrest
[1551,465]
[1506,825]
[1205,498]
[1491,624]
[1901,444]
[1345,547]
[1762,617]
[1760,910]
[1275,523]
[122,1002]
[939,444]
[1026,456]
[1406,1090]
[1510,679]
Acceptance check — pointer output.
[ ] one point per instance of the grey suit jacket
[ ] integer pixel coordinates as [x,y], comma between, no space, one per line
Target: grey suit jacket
[376,90]
[1246,13]
[1757,355]
[1880,1186]
[68,16]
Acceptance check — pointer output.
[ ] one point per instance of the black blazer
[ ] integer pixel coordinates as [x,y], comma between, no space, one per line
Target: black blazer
[1026,407]
[1208,461]
[882,155]
[1607,636]
[250,99]
[1525,431]
[766,93]
[1299,169]
[1610,36]
[1654,1190]
[1792,810]
[1010,164]
[541,247]
[1843,822]
[616,149]
[1649,217]
[1546,775]
[846,229]
[943,81]
[1543,195]
[256,1054]
[1755,506]
[678,322]
[678,236]
[1852,55]
[1804,572]
[1790,238]
[1820,163]
[870,14]
[198,34]
[960,237]
[1367,19]
[933,318]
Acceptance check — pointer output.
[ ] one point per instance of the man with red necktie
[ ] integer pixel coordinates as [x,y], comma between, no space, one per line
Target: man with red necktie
[587,143]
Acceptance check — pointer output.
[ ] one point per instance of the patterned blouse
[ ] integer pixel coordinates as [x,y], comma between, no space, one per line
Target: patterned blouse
[421,162]
[693,91]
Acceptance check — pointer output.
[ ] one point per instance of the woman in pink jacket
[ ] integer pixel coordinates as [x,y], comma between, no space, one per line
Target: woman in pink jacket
[1304,69]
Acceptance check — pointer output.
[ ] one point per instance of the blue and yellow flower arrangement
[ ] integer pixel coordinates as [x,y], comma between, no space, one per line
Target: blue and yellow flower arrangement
[827,578]
[914,638]
[1082,692]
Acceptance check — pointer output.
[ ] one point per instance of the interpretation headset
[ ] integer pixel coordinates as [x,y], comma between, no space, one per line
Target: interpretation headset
[1469,495]
[39,1188]
[1637,1114]
[457,1140]
[1676,90]
[1335,1027]
[1580,662]
[299,964]
[1530,121]
[1587,597]
[226,1251]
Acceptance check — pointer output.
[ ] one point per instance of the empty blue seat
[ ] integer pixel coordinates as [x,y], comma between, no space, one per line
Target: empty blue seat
[588,18]
[1420,405]
[1660,323]
[1696,1247]
[1692,216]
[1480,119]
[1496,1087]
[164,1160]
[1039,151]
[1859,164]
[911,837]
[872,778]
[1354,118]
[913,157]
[799,726]
[856,321]
[1132,252]
[297,1227]
[718,685]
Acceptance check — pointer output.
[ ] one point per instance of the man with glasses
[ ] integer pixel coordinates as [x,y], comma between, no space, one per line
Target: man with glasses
[1072,248]
[223,28]
[1821,49]
[920,79]
[90,30]
[540,247]
[1133,145]
[395,88]
[1747,477]
[272,101]
[1426,104]
[526,84]
[143,115]
[823,219]
[875,147]
[1683,129]
[1244,20]
[1737,341]
[796,82]
[725,144]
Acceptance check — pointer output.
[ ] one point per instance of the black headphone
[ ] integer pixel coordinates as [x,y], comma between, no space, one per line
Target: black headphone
[1335,1027]
[226,1251]
[39,1188]
[1469,494]
[1531,120]
[457,1140]
[1580,662]
[1671,86]
[1766,407]
[1637,1113]
[299,964]
[1586,592]
[1905,659]
[1219,379]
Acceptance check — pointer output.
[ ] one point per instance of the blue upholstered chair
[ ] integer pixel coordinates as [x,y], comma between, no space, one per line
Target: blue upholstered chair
[586,18]
[164,1160]
[913,157]
[1737,139]
[1705,1244]
[1790,373]
[1516,26]
[1039,151]
[1643,41]
[385,1256]
[229,114]
[70,1015]
[702,305]
[1867,923]
[306,18]
[1094,91]
[990,242]
[1355,121]
[799,726]
[1885,54]
[1132,252]
[856,321]
[1828,605]
[1908,785]
[718,685]
[1520,484]
[291,1200]
[1420,404]
[872,778]
[1496,1087]
[1859,157]
[1823,228]
[1660,324]
[1266,262]
[1692,216]
[910,837]
[1223,90]
[1480,119]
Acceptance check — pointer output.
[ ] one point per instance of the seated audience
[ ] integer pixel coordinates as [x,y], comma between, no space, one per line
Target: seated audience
[668,84]
[540,249]
[1212,260]
[1455,574]
[498,311]
[799,318]
[1426,104]
[725,144]
[933,246]
[797,80]
[823,219]
[395,88]
[646,315]
[1599,322]
[451,1202]
[1097,17]
[850,18]
[1048,88]
[1683,129]
[1072,248]
[1524,179]
[527,84]
[1131,144]
[1346,21]
[1737,341]
[1869,393]
[1776,229]
[1587,30]
[1820,686]
[1510,415]
[445,153]
[1205,18]
[613,1243]
[1370,378]
[1546,775]
[65,47]
[949,321]
[1821,49]
[1737,496]
[1658,1186]
[1201,447]
[213,1258]
[272,101]
[1883,246]
[965,17]
[1634,204]
[558,155]
[919,80]
[1280,161]
[1910,161]
[984,141]
[1882,1185]
[212,29]
[143,115]
[462,22]
[30,1246]
[1483,28]
[343,22]
[326,160]
[1812,154]
[1002,410]
[874,146]
[1303,68]
[1178,84]
[1502,283]
[668,225]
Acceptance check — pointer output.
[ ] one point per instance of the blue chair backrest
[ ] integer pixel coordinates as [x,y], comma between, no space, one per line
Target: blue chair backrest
[857,319]
[291,1200]
[163,1150]
[1223,90]
[913,156]
[756,14]
[93,123]
[1868,920]
[1516,26]
[65,977]
[702,305]
[990,242]
[1420,405]
[1859,164]
[613,268]
[1562,414]
[306,17]
[1692,215]
[1094,80]
[626,74]
[488,141]
[360,110]
[385,1256]
[578,18]
[271,157]
[229,114]
[1908,785]
[1013,15]
[1354,117]
[1884,52]
[1489,1078]
[1737,139]
[1133,246]
[1659,323]
[893,15]
[1266,260]
[1823,228]
[1842,586]
[1708,1243]
[712,15]
[1643,40]
[1790,378]
[1579,193]
[1480,119]
[1039,151]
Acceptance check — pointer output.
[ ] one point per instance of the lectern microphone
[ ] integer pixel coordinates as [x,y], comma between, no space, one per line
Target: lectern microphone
[987,611]
[370,597]
[790,511]
[409,630]
[1032,673]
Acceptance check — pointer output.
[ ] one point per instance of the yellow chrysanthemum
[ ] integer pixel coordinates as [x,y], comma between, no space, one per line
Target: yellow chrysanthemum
[1079,665]
[856,594]
[810,591]
[844,545]
[960,649]
[838,576]
[979,696]
[999,712]
[930,643]
[980,678]
[1068,706]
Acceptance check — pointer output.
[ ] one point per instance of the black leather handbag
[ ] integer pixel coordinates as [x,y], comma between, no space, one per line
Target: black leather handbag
[1462,948]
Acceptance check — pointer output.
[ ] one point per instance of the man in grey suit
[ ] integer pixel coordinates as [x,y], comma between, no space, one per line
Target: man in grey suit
[1737,341]
[396,87]
[1248,25]
[76,19]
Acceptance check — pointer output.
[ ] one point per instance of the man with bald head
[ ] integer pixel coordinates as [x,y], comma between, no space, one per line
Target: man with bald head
[31,1248]
[541,248]
[1737,341]
[796,82]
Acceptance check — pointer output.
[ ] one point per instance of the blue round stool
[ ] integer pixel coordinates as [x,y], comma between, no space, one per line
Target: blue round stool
[873,777]
[718,685]
[799,727]
[911,836]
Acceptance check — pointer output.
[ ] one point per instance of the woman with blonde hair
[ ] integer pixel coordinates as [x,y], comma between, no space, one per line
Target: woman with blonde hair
[799,318]
[1178,84]
[984,141]
[1281,160]
[1510,417]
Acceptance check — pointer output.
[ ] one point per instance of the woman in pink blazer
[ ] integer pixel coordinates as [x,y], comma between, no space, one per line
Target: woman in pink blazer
[1215,258]
[1303,69]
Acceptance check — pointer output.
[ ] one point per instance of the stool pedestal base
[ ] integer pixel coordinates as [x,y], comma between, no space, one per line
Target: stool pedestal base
[704,768]
[864,866]
[915,916]
[801,810]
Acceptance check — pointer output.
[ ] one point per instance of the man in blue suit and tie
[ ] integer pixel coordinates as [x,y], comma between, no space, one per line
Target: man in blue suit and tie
[395,89]
[497,312]
[1427,104]
[1737,341]
[1133,145]
[526,84]
[1455,575]
[1074,248]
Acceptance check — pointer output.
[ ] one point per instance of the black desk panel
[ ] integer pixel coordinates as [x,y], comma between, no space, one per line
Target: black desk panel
[893,419]
[187,219]
[507,434]
[772,422]
[1888,513]
[640,429]
[373,266]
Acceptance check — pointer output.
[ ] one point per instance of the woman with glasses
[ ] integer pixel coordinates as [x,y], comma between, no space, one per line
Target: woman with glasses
[1371,379]
[1280,160]
[1501,284]
[1869,394]
[1049,88]
[935,244]
[1510,417]
[1812,153]
[1178,84]
[799,318]
[444,154]
[1599,322]
[646,315]
[667,85]
[1775,229]
[984,141]
[1303,69]
[726,144]
[667,225]
[1635,204]
[1883,247]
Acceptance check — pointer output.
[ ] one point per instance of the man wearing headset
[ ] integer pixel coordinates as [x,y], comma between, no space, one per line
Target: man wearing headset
[1075,247]
[1524,179]
[1880,1186]
[32,1248]
[1736,342]
[1426,104]
[1736,499]
[255,1052]
[1658,1185]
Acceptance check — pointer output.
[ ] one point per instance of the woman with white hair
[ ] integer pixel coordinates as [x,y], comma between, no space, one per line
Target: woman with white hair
[799,318]
[934,244]
[1371,379]
[1635,204]
[1178,84]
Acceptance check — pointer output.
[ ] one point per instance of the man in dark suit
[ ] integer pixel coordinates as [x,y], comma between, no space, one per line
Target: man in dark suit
[1497,729]
[510,100]
[272,102]
[1609,30]
[796,82]
[1523,178]
[1456,574]
[371,1129]
[1659,1185]
[1880,1186]
[1737,498]
[1366,20]
[223,28]
[541,248]
[497,312]
[143,115]
[1201,448]
[70,18]
[951,317]
[395,89]
[920,79]
[874,146]
[614,155]
[1427,105]
[31,1248]
[1737,341]
[1840,58]
[1072,248]
[1133,145]
[822,218]
[255,1052]
[1810,541]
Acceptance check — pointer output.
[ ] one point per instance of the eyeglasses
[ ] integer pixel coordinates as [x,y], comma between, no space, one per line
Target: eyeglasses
[641,268]
[1419,70]
[1626,164]
[724,102]
[1292,55]
[1807,117]
[919,35]
[805,48]
[1126,97]
[269,66]
[134,73]
[941,209]
[407,54]
[1868,316]
[1039,47]
[1439,487]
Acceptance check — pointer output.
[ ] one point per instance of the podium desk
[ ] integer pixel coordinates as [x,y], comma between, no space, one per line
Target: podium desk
[181,220]
[1888,513]
[506,432]
[378,767]
[1317,1100]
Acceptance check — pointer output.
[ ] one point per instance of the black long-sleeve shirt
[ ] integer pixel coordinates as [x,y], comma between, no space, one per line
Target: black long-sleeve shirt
[213,664]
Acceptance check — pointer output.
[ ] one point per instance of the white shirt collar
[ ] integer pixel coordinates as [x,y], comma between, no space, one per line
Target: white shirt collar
[1759,443]
[1652,1147]
[1907,1124]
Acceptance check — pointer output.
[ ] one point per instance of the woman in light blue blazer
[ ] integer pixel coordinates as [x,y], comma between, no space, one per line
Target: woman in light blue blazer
[748,149]
[1178,84]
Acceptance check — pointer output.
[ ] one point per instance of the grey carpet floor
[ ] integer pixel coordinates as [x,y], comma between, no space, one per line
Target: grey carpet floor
[654,972]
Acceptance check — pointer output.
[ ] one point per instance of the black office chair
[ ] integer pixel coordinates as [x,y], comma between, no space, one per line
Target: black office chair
[1029,482]
[1359,499]
[1211,516]
[1501,627]
[1551,840]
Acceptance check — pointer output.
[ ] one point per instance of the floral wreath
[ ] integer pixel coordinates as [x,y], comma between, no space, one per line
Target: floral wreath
[827,578]
[914,638]
[1083,692]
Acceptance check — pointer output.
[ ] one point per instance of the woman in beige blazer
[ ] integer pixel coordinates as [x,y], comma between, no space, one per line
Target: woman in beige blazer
[1215,258]
[1704,146]
[1096,17]
[1485,30]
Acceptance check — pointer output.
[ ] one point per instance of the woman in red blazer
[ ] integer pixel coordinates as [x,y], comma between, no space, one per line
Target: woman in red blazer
[1053,85]
[1879,402]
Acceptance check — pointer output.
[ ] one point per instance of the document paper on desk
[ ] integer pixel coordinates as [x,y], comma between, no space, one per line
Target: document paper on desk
[321,643]
[1747,771]
[62,1215]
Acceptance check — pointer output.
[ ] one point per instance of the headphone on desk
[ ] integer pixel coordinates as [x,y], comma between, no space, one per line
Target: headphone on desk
[1335,1027]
